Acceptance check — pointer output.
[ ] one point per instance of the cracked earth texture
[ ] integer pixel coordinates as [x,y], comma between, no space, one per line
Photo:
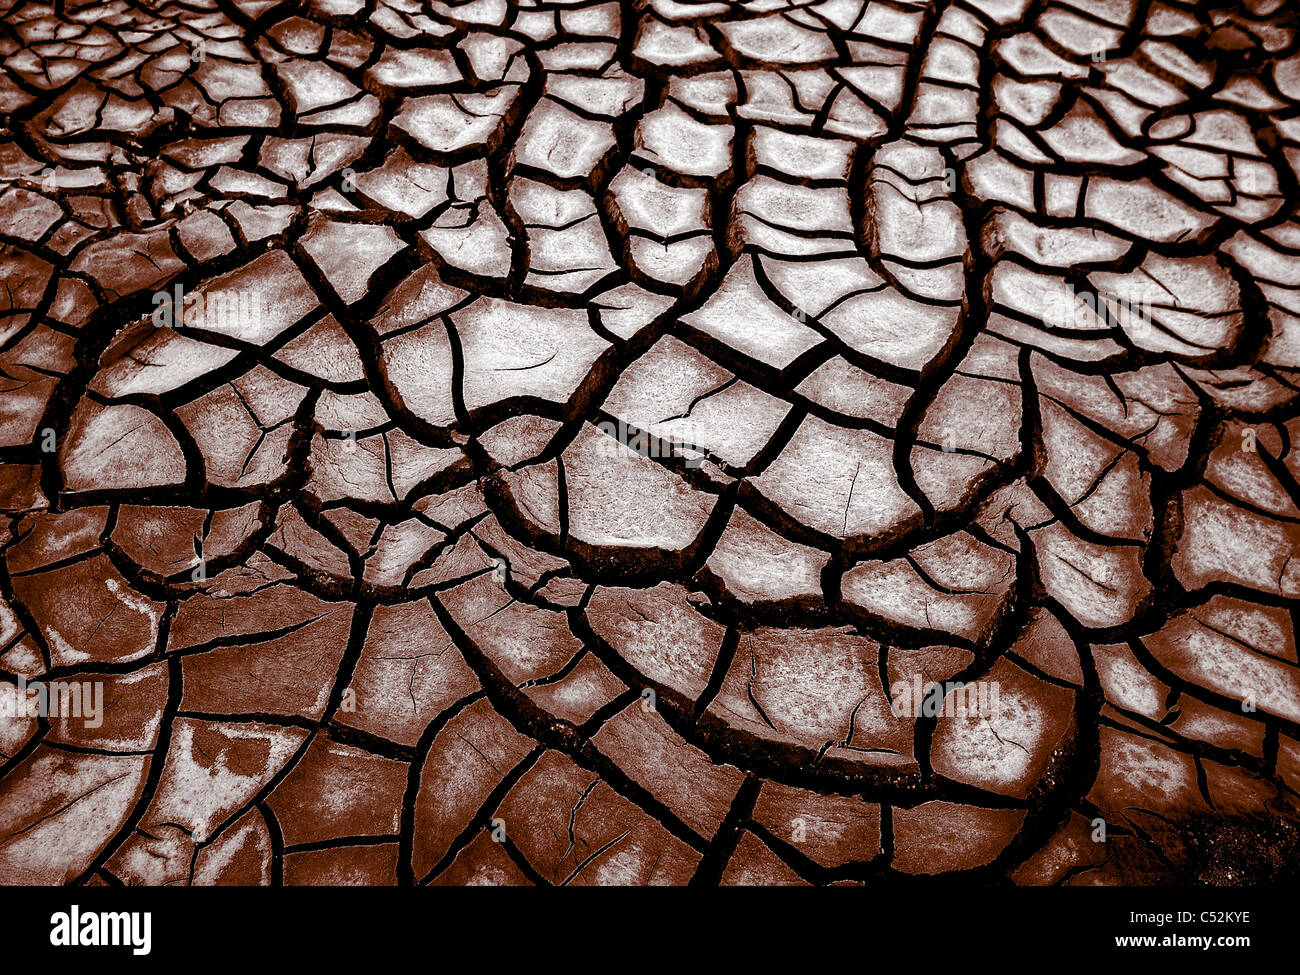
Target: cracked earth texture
[577,418]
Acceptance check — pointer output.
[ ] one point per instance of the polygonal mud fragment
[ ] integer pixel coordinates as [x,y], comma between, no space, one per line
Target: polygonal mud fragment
[1214,648]
[742,318]
[243,428]
[675,394]
[676,773]
[337,791]
[938,837]
[1126,790]
[755,865]
[956,585]
[483,863]
[240,857]
[525,643]
[1099,585]
[1005,741]
[348,255]
[817,690]
[284,670]
[1070,847]
[576,830]
[833,830]
[626,510]
[404,186]
[515,355]
[119,448]
[568,252]
[578,691]
[452,127]
[568,146]
[86,610]
[118,712]
[60,810]
[408,674]
[659,634]
[467,760]
[234,760]
[366,864]
[841,484]
[758,567]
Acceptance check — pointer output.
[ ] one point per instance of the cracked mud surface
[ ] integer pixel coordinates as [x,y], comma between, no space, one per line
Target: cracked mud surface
[579,418]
